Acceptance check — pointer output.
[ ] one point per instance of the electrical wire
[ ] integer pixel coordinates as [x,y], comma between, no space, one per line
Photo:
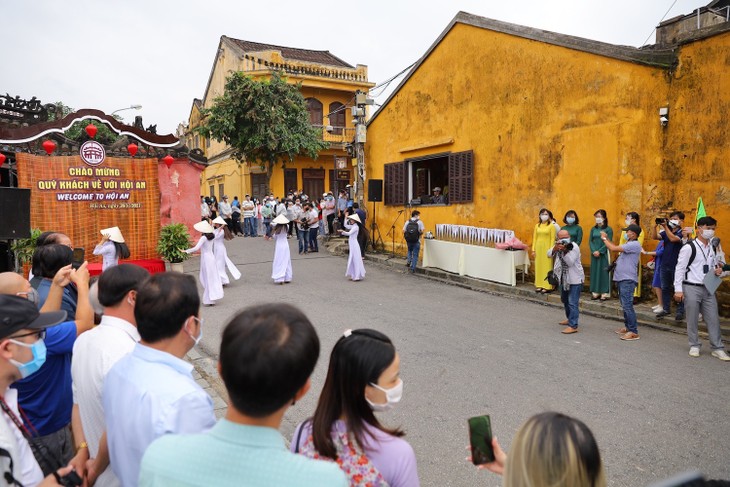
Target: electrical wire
[662,20]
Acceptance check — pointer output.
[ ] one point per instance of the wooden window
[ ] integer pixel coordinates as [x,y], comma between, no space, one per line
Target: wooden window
[461,177]
[315,111]
[337,117]
[395,183]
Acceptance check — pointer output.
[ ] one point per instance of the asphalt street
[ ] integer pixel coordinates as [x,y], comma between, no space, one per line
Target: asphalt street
[654,410]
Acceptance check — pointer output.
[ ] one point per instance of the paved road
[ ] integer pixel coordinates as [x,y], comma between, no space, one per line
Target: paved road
[654,410]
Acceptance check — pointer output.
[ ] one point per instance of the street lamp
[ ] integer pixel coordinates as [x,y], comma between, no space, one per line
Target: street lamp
[131,107]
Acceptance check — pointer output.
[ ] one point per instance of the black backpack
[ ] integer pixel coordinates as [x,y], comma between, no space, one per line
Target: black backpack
[412,233]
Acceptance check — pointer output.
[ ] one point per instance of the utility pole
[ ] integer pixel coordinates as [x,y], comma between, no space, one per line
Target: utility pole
[358,114]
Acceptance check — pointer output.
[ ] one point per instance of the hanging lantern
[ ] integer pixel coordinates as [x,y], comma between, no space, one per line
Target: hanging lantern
[132,149]
[168,159]
[91,130]
[2,159]
[49,146]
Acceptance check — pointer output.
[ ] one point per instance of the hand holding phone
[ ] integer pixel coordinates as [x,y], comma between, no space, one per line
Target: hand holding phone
[480,439]
[78,257]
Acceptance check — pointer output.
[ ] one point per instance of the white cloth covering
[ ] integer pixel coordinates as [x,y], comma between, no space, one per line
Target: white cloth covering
[108,253]
[222,261]
[355,266]
[281,271]
[210,278]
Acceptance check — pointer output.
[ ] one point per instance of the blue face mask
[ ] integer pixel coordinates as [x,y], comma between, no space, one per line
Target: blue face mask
[570,220]
[39,358]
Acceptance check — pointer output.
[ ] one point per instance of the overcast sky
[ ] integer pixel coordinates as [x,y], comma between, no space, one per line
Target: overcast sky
[107,54]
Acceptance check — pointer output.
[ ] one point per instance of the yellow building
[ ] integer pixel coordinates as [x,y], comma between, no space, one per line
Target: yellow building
[327,83]
[509,119]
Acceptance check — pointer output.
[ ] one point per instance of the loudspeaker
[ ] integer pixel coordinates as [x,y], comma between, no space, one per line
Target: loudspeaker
[15,222]
[375,190]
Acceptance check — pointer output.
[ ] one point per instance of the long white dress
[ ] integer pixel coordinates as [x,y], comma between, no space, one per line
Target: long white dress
[222,261]
[210,279]
[281,271]
[108,252]
[355,266]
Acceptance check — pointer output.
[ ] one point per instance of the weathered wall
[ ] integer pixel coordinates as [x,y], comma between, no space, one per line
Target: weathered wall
[179,198]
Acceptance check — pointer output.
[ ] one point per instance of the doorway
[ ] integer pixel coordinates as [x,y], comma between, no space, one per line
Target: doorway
[313,182]
[290,181]
[259,188]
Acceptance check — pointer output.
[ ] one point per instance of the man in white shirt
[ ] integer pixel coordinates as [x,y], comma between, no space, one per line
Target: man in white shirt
[151,392]
[249,224]
[94,353]
[226,211]
[204,209]
[698,258]
[313,229]
[569,272]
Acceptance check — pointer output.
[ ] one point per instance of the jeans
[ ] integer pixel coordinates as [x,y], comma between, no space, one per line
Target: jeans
[249,228]
[626,296]
[413,249]
[667,279]
[313,246]
[570,299]
[267,227]
[303,240]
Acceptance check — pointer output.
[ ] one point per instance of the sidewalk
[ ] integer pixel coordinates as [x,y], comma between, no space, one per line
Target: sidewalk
[205,373]
[610,309]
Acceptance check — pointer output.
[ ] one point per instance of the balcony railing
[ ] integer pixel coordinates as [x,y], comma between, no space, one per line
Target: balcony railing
[336,136]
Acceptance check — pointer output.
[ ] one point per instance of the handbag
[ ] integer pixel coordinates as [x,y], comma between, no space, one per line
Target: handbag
[552,279]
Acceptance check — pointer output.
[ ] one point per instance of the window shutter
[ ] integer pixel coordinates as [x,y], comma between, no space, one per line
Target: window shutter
[461,177]
[395,183]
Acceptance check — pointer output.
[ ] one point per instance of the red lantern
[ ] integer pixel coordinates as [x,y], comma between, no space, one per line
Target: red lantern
[132,149]
[2,159]
[91,130]
[49,146]
[168,160]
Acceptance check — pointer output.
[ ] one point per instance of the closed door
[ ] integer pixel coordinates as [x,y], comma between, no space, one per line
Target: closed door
[313,182]
[290,180]
[259,188]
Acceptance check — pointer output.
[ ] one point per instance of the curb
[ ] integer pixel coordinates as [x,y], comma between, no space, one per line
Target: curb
[205,373]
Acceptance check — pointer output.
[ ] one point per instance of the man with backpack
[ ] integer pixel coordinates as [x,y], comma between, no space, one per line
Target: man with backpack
[412,231]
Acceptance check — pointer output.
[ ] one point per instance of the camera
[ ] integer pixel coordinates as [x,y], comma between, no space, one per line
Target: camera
[304,223]
[71,479]
[660,221]
[611,267]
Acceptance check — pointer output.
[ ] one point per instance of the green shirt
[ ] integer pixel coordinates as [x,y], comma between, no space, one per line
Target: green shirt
[232,454]
[576,233]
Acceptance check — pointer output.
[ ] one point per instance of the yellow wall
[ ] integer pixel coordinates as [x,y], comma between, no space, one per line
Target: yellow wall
[558,128]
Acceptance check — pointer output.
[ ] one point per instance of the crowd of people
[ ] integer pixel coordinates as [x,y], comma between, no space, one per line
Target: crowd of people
[687,269]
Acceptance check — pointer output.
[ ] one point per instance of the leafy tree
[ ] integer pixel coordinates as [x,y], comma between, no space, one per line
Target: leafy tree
[264,122]
[77,132]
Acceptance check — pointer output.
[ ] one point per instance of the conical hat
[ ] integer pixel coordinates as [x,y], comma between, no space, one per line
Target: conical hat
[219,221]
[354,217]
[280,220]
[203,227]
[115,235]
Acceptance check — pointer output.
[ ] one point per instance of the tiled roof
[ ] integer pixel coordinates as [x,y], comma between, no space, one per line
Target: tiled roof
[305,55]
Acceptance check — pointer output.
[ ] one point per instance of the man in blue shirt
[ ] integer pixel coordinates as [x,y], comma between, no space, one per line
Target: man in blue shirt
[626,277]
[671,235]
[151,392]
[267,356]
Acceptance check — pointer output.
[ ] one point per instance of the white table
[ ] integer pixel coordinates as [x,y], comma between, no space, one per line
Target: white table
[475,261]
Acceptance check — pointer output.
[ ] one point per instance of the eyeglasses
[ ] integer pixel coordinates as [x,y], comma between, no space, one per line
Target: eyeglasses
[41,335]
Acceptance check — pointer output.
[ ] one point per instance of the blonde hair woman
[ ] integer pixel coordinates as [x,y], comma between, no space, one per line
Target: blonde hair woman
[550,450]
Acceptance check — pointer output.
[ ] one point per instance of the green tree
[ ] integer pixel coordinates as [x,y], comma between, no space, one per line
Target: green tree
[104,134]
[264,122]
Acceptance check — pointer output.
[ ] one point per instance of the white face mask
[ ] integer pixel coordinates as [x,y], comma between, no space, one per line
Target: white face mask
[197,339]
[564,241]
[544,218]
[628,221]
[674,223]
[392,397]
[708,234]
[599,221]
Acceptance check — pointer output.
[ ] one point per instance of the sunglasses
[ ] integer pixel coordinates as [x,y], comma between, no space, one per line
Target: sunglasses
[41,335]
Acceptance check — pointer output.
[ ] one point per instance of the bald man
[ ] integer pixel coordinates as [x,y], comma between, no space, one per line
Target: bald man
[569,272]
[46,396]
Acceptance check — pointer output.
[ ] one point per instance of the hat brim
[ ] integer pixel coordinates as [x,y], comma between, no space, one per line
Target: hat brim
[281,220]
[46,320]
[219,221]
[354,217]
[115,234]
[203,227]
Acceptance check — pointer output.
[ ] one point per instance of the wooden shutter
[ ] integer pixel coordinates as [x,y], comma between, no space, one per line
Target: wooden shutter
[461,177]
[395,183]
[337,117]
[315,111]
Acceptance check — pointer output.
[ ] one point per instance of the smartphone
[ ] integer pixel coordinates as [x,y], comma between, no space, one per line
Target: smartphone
[78,257]
[480,437]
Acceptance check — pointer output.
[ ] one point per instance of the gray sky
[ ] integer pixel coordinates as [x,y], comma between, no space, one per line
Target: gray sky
[109,54]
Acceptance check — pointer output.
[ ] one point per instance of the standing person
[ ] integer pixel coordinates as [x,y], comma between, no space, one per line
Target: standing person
[330,208]
[363,377]
[361,213]
[569,272]
[209,276]
[572,225]
[111,248]
[303,226]
[204,208]
[94,353]
[213,207]
[151,392]
[671,235]
[656,282]
[236,219]
[267,213]
[698,258]
[412,231]
[226,212]
[249,227]
[626,277]
[542,240]
[282,272]
[313,228]
[600,284]
[291,216]
[355,267]
[222,262]
[633,218]
[49,260]
[267,356]
[341,207]
[297,215]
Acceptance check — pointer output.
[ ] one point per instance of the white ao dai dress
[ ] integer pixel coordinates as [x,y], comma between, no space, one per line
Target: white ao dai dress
[210,279]
[355,266]
[281,271]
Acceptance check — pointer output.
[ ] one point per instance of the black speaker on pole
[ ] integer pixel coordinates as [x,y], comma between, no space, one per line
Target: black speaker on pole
[15,221]
[375,190]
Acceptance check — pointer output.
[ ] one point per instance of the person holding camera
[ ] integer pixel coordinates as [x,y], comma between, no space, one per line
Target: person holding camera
[672,236]
[626,277]
[303,228]
[569,273]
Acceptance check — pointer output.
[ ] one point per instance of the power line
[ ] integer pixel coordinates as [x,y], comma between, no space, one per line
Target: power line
[662,20]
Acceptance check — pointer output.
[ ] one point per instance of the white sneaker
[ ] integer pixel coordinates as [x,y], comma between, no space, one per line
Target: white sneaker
[721,354]
[694,351]
[657,308]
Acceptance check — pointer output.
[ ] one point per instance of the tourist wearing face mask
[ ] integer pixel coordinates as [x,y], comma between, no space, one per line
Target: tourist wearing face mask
[600,277]
[626,278]
[572,226]
[569,272]
[363,378]
[698,258]
[543,238]
[633,218]
[671,235]
[412,231]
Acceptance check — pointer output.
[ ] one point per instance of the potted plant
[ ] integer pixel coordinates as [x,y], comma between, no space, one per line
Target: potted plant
[174,237]
[23,249]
